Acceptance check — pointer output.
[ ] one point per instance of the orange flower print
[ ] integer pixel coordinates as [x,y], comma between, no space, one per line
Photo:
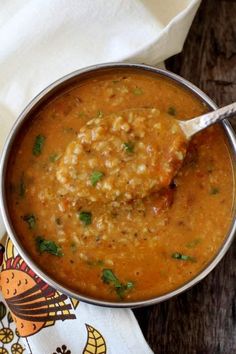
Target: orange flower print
[33,303]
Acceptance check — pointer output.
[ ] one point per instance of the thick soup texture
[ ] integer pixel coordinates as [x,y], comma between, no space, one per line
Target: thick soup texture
[91,192]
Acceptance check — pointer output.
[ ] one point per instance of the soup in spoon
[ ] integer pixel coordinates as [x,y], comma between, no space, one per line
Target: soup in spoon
[125,156]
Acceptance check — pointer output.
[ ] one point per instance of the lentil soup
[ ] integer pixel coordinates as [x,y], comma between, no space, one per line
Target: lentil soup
[81,188]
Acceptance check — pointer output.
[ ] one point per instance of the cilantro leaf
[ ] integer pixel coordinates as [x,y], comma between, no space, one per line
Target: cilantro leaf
[85,217]
[214,191]
[129,146]
[183,257]
[31,220]
[48,246]
[54,157]
[38,145]
[108,277]
[95,177]
[99,114]
[22,187]
[193,243]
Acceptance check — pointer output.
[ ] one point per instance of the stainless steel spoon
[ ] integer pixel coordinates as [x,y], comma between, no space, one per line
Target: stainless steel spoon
[195,125]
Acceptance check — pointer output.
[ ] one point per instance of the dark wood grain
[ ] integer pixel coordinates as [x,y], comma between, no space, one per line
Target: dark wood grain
[202,320]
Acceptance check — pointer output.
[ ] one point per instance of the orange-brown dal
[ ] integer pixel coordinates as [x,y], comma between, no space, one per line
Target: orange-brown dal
[122,249]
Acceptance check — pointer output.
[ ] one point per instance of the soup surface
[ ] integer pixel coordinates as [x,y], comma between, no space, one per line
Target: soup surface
[84,188]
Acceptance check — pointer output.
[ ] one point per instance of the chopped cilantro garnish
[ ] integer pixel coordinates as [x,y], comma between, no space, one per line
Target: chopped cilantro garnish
[99,114]
[38,145]
[95,177]
[129,146]
[85,217]
[129,285]
[54,157]
[193,243]
[183,257]
[108,277]
[31,220]
[214,190]
[22,187]
[137,91]
[48,246]
[171,111]
[95,263]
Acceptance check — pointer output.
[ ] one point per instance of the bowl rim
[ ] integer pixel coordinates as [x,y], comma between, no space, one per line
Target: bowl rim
[231,137]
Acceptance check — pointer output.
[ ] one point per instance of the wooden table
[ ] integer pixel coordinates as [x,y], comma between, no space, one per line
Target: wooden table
[202,320]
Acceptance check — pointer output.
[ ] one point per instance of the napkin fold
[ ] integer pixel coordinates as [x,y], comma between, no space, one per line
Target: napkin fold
[40,42]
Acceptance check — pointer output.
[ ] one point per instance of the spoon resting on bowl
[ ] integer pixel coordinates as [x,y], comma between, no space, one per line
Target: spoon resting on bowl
[195,125]
[128,155]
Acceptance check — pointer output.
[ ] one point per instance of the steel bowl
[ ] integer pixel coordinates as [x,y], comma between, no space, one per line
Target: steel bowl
[48,94]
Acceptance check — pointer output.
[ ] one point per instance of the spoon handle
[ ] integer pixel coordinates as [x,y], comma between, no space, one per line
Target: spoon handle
[197,124]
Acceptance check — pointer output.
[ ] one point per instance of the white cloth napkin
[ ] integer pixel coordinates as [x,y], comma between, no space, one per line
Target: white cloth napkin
[41,41]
